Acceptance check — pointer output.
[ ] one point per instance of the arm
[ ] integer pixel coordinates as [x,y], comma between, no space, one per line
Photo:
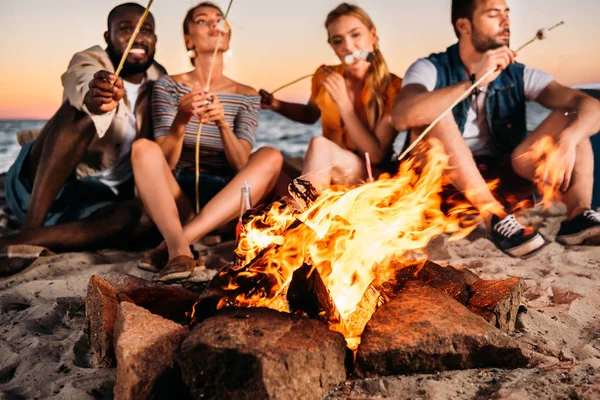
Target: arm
[170,117]
[418,104]
[86,87]
[304,113]
[237,144]
[586,110]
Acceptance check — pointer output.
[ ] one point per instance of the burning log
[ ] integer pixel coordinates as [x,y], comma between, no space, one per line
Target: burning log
[303,192]
[262,282]
[308,294]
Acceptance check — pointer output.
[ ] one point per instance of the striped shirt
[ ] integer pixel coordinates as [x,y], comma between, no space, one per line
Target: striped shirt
[241,112]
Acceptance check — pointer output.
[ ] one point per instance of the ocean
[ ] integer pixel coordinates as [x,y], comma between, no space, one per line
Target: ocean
[291,138]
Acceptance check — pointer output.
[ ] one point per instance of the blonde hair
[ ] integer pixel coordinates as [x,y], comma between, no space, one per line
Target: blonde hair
[379,77]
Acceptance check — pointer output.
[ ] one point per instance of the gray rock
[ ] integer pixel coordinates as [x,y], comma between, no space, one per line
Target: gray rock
[424,330]
[260,353]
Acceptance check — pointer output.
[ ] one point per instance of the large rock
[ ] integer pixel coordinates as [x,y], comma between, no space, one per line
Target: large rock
[424,330]
[261,353]
[497,301]
[446,279]
[145,346]
[106,291]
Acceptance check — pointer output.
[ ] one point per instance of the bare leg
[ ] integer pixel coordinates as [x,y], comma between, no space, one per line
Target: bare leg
[463,172]
[110,225]
[261,172]
[326,163]
[58,150]
[578,197]
[164,200]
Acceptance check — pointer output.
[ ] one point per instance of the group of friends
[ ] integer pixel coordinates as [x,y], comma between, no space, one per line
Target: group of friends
[114,153]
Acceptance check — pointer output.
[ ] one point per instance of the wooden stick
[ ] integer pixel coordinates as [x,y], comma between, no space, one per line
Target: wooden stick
[131,40]
[200,124]
[462,97]
[442,115]
[291,83]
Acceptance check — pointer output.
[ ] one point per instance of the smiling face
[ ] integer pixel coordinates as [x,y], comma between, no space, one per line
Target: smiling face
[203,30]
[490,25]
[348,34]
[117,37]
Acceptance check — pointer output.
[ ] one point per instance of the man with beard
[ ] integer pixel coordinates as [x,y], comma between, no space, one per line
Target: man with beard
[486,135]
[73,185]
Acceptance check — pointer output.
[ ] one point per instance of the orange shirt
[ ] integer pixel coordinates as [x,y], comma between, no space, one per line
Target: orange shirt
[333,126]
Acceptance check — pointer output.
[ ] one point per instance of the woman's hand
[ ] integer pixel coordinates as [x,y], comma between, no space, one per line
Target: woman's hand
[212,110]
[335,85]
[190,104]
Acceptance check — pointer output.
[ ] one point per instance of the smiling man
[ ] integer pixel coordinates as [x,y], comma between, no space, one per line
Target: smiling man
[68,186]
[487,133]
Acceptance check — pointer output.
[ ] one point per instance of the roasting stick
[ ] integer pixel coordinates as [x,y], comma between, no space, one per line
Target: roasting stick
[540,35]
[200,124]
[131,40]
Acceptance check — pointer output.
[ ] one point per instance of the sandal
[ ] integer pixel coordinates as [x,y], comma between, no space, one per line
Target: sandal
[156,259]
[178,268]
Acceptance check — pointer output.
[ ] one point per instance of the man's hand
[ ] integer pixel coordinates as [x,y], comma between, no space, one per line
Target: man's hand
[268,101]
[497,59]
[554,165]
[103,96]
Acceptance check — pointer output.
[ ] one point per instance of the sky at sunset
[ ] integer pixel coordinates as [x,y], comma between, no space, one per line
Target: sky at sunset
[274,41]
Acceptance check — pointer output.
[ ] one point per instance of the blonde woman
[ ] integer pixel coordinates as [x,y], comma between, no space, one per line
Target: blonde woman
[354,101]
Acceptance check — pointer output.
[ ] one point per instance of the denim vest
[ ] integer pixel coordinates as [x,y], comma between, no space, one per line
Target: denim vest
[504,100]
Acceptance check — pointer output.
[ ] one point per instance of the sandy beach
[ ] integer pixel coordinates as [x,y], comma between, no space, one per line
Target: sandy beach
[45,354]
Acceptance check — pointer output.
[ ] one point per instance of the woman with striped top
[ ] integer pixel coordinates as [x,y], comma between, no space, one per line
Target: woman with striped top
[229,116]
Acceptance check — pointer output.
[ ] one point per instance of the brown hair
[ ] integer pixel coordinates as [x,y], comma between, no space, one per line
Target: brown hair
[379,77]
[462,9]
[189,17]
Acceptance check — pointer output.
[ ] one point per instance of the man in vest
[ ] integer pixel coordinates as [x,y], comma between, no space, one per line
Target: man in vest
[489,127]
[73,185]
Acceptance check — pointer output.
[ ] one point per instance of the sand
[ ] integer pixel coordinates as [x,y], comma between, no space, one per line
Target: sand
[44,353]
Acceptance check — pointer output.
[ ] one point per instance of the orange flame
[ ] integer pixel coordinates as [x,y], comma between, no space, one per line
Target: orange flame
[350,235]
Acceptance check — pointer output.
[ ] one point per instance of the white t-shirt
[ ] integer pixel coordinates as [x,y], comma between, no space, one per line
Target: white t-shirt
[476,133]
[121,170]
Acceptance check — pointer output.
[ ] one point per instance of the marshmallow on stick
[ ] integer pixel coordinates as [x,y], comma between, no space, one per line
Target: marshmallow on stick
[541,34]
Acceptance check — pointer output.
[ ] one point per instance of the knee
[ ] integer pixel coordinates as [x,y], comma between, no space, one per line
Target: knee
[144,149]
[79,121]
[319,144]
[271,157]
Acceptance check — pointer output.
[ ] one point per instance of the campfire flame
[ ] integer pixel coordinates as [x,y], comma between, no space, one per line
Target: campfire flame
[350,236]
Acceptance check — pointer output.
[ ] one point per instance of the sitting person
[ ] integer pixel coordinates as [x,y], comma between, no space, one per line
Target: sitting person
[354,100]
[78,169]
[491,123]
[229,116]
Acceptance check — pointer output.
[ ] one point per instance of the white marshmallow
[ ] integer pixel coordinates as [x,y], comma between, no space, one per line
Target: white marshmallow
[223,26]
